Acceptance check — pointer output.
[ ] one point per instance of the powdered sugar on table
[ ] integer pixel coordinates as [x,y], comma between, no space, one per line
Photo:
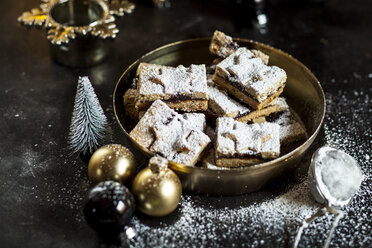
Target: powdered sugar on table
[270,218]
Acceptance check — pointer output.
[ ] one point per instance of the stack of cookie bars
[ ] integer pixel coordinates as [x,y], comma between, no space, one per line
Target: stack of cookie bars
[229,114]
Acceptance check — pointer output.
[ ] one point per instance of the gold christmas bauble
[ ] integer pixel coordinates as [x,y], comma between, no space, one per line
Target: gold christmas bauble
[112,162]
[157,188]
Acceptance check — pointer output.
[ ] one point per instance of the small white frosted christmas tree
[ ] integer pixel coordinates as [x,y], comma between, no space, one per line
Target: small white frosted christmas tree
[89,125]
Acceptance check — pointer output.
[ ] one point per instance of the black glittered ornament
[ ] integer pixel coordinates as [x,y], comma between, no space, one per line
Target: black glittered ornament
[109,208]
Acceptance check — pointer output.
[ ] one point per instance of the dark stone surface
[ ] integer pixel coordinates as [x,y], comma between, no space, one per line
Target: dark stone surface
[43,186]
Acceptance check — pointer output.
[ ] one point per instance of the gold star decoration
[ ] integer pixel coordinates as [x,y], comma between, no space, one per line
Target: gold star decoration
[58,33]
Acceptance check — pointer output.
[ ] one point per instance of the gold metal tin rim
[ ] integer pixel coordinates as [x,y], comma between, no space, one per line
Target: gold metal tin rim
[193,173]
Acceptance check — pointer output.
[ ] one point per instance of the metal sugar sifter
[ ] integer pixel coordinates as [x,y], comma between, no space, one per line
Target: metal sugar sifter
[334,178]
[80,32]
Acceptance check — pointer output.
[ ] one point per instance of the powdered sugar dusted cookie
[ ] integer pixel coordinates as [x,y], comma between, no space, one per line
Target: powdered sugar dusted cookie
[223,46]
[281,104]
[182,88]
[239,144]
[249,79]
[291,130]
[222,105]
[177,137]
[196,141]
[157,114]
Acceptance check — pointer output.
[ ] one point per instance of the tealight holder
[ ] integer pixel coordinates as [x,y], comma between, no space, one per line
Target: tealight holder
[80,32]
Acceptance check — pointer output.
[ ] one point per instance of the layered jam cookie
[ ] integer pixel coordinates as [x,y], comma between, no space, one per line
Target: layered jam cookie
[249,79]
[181,88]
[222,105]
[239,144]
[177,137]
[223,46]
[291,130]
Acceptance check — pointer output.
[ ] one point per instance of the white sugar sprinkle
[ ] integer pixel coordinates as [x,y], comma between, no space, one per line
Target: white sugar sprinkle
[220,224]
[249,221]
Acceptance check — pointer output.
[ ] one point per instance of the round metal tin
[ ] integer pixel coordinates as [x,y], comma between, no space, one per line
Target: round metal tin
[303,92]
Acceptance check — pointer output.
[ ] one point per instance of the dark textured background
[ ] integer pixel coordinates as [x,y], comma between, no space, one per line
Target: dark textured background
[42,187]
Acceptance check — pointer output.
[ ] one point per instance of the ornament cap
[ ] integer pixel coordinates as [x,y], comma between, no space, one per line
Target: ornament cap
[158,164]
